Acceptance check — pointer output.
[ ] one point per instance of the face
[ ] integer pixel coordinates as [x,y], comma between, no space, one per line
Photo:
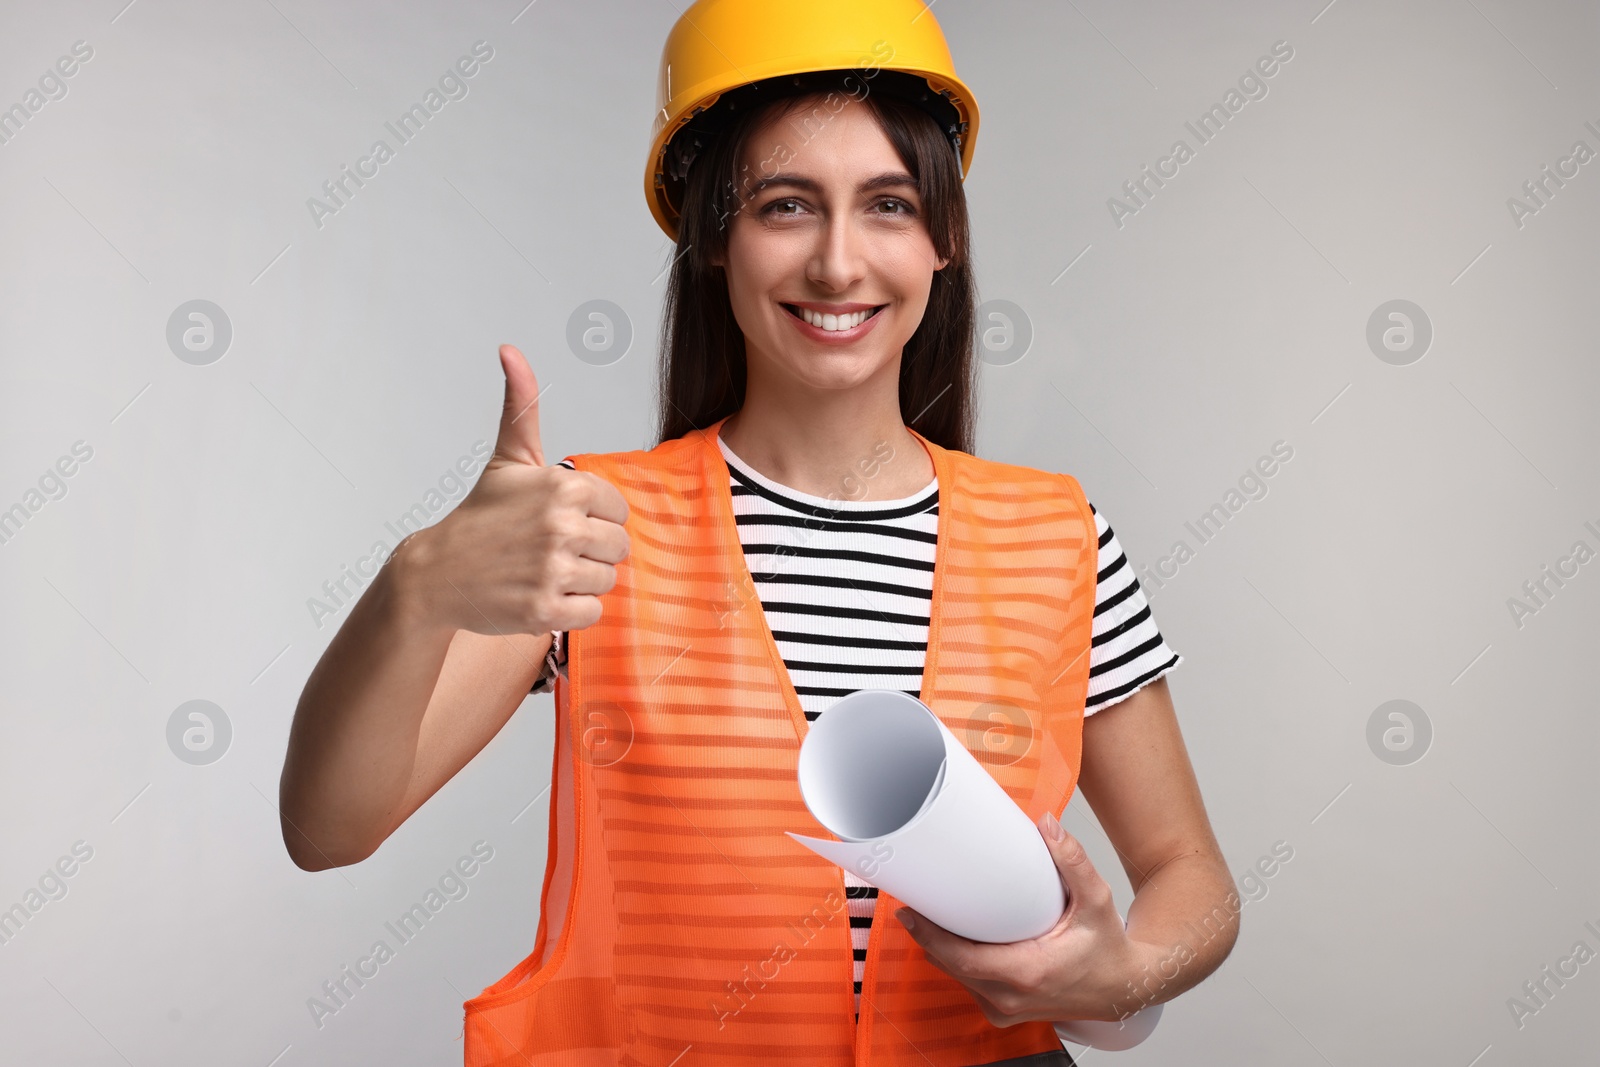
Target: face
[829,261]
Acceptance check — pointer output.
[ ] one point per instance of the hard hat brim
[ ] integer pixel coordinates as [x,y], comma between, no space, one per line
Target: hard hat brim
[693,103]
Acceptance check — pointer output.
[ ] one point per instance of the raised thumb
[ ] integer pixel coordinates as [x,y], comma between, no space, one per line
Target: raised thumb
[518,440]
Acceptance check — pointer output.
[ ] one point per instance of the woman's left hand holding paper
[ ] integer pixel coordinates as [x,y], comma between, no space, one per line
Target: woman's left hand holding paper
[1082,968]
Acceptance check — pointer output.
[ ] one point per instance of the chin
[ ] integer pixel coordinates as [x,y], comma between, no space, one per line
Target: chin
[836,371]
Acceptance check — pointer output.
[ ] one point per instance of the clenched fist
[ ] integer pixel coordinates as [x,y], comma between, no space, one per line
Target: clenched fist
[532,547]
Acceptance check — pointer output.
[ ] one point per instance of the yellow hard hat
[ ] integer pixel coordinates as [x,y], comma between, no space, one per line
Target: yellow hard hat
[718,47]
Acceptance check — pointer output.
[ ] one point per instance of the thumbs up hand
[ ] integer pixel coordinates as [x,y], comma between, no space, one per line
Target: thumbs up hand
[532,547]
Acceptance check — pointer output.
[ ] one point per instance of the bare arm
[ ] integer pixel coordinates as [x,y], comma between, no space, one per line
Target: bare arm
[395,707]
[445,642]
[1137,777]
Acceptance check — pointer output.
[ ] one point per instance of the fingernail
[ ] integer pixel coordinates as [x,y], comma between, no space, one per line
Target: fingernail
[1053,828]
[905,917]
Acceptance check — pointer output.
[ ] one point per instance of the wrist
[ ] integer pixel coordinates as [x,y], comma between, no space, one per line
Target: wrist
[407,587]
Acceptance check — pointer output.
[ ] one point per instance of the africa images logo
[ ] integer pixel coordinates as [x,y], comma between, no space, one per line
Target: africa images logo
[1140,190]
[341,189]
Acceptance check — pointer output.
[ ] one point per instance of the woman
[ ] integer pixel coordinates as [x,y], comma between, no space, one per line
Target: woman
[812,522]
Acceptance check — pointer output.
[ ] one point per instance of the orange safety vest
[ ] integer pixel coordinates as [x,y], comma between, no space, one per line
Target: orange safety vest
[678,924]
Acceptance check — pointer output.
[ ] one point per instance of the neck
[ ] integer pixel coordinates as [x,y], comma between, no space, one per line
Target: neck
[848,443]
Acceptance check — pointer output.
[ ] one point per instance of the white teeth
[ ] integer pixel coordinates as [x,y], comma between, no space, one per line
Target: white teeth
[834,323]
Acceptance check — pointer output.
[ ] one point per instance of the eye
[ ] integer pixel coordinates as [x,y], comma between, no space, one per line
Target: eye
[901,207]
[780,207]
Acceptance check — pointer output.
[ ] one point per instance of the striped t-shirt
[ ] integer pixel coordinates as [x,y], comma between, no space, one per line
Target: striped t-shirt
[847,590]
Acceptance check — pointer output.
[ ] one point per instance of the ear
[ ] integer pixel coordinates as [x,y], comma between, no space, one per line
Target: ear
[943,262]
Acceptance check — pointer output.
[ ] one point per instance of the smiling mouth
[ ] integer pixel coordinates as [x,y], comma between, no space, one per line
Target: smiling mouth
[832,323]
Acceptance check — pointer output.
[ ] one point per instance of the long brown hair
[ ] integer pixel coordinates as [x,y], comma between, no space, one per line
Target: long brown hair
[702,375]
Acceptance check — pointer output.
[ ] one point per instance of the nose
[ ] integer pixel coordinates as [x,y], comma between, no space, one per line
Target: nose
[838,261]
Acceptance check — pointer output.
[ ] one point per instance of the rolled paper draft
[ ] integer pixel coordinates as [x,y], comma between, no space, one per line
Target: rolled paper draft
[918,817]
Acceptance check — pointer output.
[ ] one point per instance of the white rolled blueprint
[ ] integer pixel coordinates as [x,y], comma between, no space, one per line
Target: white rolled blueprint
[918,817]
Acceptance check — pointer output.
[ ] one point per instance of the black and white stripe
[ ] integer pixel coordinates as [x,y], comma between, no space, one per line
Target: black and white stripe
[847,588]
[846,585]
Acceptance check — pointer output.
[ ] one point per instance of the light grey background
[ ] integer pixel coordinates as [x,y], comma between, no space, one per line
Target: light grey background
[1168,354]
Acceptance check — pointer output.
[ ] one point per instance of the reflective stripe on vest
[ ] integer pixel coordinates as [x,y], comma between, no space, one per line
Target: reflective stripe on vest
[679,925]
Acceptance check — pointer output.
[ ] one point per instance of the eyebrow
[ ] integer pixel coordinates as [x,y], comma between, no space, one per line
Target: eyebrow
[892,179]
